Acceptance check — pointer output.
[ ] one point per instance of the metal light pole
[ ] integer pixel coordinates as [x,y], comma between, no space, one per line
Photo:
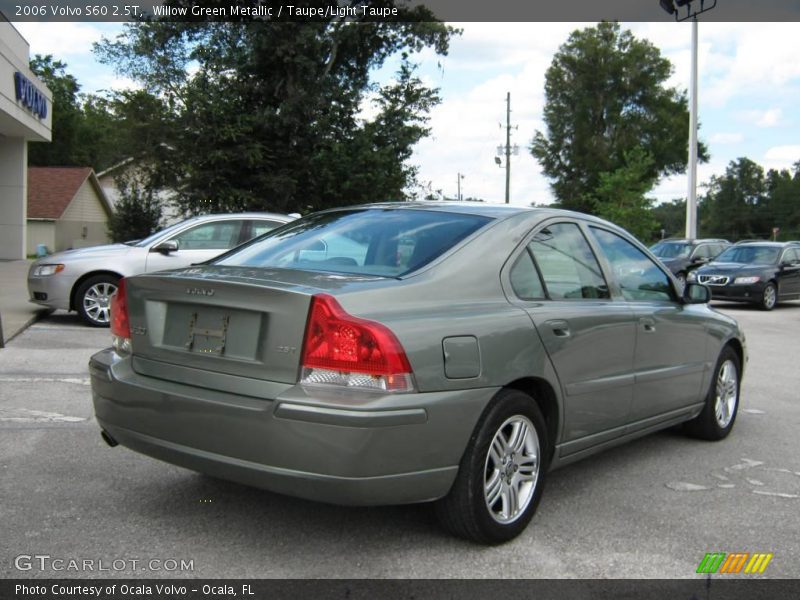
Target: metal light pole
[691,202]
[458,179]
[673,7]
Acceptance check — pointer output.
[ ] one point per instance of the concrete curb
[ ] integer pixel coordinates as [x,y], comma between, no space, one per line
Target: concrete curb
[40,314]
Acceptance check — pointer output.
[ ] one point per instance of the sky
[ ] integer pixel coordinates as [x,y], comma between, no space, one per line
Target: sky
[749,93]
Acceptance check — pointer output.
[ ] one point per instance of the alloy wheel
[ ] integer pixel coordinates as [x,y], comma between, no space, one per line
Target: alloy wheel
[97,301]
[727,393]
[512,469]
[770,296]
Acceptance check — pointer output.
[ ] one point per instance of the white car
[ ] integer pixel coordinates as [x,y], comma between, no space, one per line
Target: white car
[84,279]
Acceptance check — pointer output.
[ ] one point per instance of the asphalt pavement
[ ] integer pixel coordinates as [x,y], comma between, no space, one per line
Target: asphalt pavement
[651,509]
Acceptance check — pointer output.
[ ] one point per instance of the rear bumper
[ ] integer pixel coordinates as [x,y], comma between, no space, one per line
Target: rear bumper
[337,448]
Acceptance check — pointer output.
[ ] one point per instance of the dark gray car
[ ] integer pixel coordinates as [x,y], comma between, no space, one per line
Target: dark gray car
[413,352]
[682,256]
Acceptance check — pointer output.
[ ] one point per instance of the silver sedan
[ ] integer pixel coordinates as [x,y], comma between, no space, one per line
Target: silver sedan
[84,279]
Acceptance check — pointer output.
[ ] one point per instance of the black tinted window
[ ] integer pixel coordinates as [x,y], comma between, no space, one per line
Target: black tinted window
[638,276]
[671,249]
[703,251]
[567,263]
[385,242]
[762,255]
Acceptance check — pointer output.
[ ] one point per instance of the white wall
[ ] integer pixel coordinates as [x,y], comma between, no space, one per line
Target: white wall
[13,201]
[18,125]
[41,232]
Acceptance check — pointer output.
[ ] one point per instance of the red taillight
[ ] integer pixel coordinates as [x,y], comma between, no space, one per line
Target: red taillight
[120,325]
[341,349]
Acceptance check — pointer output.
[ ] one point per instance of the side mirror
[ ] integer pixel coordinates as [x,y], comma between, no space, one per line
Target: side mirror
[696,293]
[165,247]
[699,260]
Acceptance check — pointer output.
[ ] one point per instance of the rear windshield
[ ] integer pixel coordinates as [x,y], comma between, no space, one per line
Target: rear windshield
[382,242]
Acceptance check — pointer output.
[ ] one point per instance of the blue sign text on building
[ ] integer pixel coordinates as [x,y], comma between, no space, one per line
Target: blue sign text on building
[30,96]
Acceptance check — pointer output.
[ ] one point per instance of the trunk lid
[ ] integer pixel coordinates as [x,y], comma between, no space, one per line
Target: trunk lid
[190,324]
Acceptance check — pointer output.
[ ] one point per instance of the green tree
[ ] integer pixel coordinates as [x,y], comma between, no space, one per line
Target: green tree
[137,213]
[736,202]
[783,198]
[268,116]
[64,150]
[606,97]
[85,129]
[671,218]
[620,195]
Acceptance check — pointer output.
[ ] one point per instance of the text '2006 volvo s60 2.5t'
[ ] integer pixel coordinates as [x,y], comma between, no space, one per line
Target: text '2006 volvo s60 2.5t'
[412,352]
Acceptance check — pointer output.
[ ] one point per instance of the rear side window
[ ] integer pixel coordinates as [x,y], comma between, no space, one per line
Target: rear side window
[567,263]
[262,227]
[525,279]
[386,242]
[704,251]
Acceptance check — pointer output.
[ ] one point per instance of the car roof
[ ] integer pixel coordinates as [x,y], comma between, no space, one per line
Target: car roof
[695,241]
[246,215]
[472,208]
[766,244]
[486,209]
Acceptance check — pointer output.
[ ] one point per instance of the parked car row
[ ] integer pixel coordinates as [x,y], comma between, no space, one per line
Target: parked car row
[682,256]
[755,271]
[414,352]
[761,273]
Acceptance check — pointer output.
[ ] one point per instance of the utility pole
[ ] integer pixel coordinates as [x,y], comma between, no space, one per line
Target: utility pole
[507,150]
[459,178]
[508,146]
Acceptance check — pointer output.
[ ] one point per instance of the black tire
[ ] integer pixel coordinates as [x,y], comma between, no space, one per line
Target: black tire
[92,299]
[769,297]
[465,511]
[709,424]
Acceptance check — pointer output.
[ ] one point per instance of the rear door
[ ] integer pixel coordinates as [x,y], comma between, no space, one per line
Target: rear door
[589,336]
[671,338]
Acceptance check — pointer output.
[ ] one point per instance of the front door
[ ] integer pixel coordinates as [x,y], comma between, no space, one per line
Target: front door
[670,359]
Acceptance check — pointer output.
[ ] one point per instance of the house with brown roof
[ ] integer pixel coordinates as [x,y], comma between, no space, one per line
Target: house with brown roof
[67,208]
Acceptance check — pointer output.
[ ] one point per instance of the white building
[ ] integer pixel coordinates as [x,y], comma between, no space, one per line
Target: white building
[26,109]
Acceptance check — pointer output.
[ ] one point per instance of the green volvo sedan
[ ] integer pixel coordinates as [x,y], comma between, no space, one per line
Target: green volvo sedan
[415,352]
